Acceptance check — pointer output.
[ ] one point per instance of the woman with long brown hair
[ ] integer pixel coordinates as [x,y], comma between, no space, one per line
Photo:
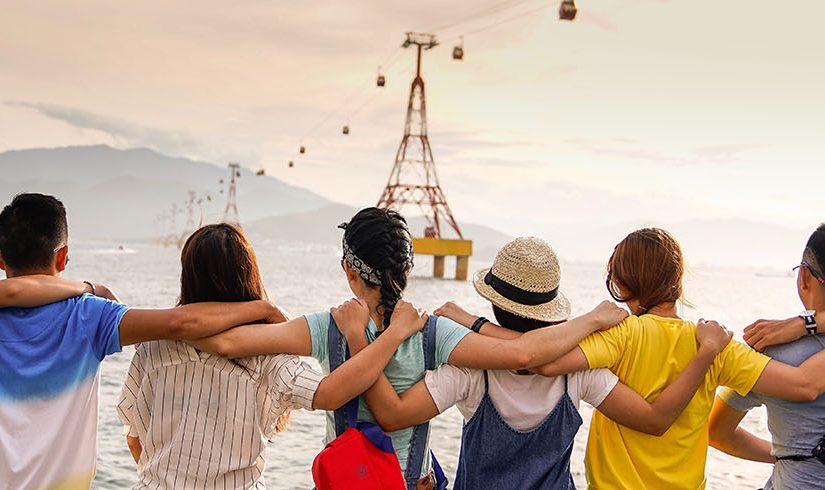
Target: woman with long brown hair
[647,351]
[193,419]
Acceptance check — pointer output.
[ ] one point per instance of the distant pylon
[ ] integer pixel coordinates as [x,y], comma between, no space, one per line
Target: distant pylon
[231,214]
[413,179]
[190,212]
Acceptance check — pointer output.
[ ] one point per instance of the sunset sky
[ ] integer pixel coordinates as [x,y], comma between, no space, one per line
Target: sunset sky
[640,110]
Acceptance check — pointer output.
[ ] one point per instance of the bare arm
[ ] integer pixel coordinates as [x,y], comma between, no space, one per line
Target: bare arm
[456,313]
[360,372]
[764,333]
[803,383]
[536,347]
[134,447]
[190,321]
[38,290]
[726,435]
[290,337]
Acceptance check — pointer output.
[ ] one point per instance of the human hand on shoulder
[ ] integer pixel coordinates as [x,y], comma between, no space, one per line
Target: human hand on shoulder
[276,315]
[456,313]
[407,320]
[607,315]
[103,291]
[352,317]
[712,336]
[764,333]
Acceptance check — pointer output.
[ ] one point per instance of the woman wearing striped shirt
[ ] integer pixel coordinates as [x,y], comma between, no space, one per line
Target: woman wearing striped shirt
[194,420]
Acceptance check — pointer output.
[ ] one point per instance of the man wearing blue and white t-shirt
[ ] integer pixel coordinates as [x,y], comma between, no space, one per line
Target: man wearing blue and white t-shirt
[50,355]
[796,427]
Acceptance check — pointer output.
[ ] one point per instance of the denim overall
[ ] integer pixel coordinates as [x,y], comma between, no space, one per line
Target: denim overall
[494,455]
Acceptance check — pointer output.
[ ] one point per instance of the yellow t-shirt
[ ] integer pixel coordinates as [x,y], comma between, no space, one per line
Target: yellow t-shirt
[647,353]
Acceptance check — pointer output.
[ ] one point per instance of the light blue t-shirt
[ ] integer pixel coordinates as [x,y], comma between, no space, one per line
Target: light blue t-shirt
[49,386]
[795,427]
[404,370]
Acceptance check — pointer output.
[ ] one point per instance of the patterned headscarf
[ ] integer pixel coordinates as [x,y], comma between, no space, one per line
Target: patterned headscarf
[367,273]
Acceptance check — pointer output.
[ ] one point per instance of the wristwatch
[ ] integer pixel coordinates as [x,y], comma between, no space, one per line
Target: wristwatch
[809,317]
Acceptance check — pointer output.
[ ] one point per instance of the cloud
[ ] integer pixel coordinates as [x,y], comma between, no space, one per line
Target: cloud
[636,150]
[122,132]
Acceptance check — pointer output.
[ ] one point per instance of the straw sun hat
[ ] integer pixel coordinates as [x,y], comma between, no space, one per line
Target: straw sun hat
[524,280]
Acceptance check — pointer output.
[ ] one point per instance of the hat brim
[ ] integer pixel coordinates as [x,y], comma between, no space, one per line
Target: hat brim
[557,310]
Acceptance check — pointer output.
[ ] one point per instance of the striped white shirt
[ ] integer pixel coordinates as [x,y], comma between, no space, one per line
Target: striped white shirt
[203,420]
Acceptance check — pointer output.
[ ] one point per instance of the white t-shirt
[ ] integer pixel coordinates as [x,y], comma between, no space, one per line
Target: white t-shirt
[524,401]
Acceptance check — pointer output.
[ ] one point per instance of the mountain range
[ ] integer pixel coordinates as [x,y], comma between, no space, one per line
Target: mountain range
[119,195]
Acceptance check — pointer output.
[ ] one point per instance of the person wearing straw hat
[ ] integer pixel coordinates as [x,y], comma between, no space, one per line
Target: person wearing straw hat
[519,426]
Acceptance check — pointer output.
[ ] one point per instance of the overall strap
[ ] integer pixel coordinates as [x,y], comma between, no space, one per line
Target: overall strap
[336,355]
[418,444]
[565,383]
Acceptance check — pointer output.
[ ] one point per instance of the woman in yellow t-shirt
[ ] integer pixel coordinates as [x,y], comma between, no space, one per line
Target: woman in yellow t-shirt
[647,352]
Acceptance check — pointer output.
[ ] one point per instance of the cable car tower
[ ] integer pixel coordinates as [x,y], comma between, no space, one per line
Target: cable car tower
[413,179]
[230,214]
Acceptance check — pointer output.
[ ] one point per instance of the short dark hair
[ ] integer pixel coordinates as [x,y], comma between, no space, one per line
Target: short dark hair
[31,227]
[816,248]
[515,322]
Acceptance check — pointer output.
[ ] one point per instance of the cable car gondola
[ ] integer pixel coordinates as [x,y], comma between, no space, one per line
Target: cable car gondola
[302,149]
[291,164]
[345,130]
[567,10]
[261,172]
[458,51]
[381,81]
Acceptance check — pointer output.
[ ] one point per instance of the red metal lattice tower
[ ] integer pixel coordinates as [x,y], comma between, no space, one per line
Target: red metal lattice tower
[413,179]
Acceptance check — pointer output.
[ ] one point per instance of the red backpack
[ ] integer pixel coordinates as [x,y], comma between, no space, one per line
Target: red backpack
[362,456]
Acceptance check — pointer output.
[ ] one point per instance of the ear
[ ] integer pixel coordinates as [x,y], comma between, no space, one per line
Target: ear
[351,274]
[61,258]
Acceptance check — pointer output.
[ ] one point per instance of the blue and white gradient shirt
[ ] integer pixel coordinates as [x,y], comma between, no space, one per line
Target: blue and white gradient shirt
[49,387]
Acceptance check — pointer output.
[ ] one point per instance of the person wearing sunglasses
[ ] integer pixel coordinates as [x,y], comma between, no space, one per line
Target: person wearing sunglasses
[797,448]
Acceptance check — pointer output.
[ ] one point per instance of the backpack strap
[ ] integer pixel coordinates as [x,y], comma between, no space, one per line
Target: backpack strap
[337,354]
[421,432]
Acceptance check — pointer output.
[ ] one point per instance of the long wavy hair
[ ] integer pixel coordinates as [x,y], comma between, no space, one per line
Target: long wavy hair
[218,264]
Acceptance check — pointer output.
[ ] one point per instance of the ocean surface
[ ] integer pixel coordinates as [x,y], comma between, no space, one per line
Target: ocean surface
[306,278]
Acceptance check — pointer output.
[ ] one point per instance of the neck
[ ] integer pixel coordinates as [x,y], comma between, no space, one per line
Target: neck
[33,272]
[817,303]
[667,310]
[373,299]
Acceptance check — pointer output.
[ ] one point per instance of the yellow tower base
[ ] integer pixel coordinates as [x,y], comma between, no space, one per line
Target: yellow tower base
[440,249]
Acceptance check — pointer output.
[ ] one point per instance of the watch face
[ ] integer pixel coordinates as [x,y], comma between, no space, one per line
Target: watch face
[808,313]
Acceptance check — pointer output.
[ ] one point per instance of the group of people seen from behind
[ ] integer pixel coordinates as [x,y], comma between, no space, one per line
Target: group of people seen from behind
[214,379]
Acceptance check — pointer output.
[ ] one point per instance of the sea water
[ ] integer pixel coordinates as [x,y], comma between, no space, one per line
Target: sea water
[306,278]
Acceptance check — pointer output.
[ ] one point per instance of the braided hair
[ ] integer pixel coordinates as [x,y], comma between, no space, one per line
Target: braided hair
[381,239]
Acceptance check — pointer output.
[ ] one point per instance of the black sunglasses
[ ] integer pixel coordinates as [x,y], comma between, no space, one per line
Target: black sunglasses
[814,272]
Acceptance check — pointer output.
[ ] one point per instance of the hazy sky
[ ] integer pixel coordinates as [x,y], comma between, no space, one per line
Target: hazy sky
[641,110]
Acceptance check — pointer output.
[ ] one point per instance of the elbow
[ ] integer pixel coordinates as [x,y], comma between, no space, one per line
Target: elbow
[11,292]
[655,427]
[524,358]
[809,393]
[391,425]
[658,429]
[183,325]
